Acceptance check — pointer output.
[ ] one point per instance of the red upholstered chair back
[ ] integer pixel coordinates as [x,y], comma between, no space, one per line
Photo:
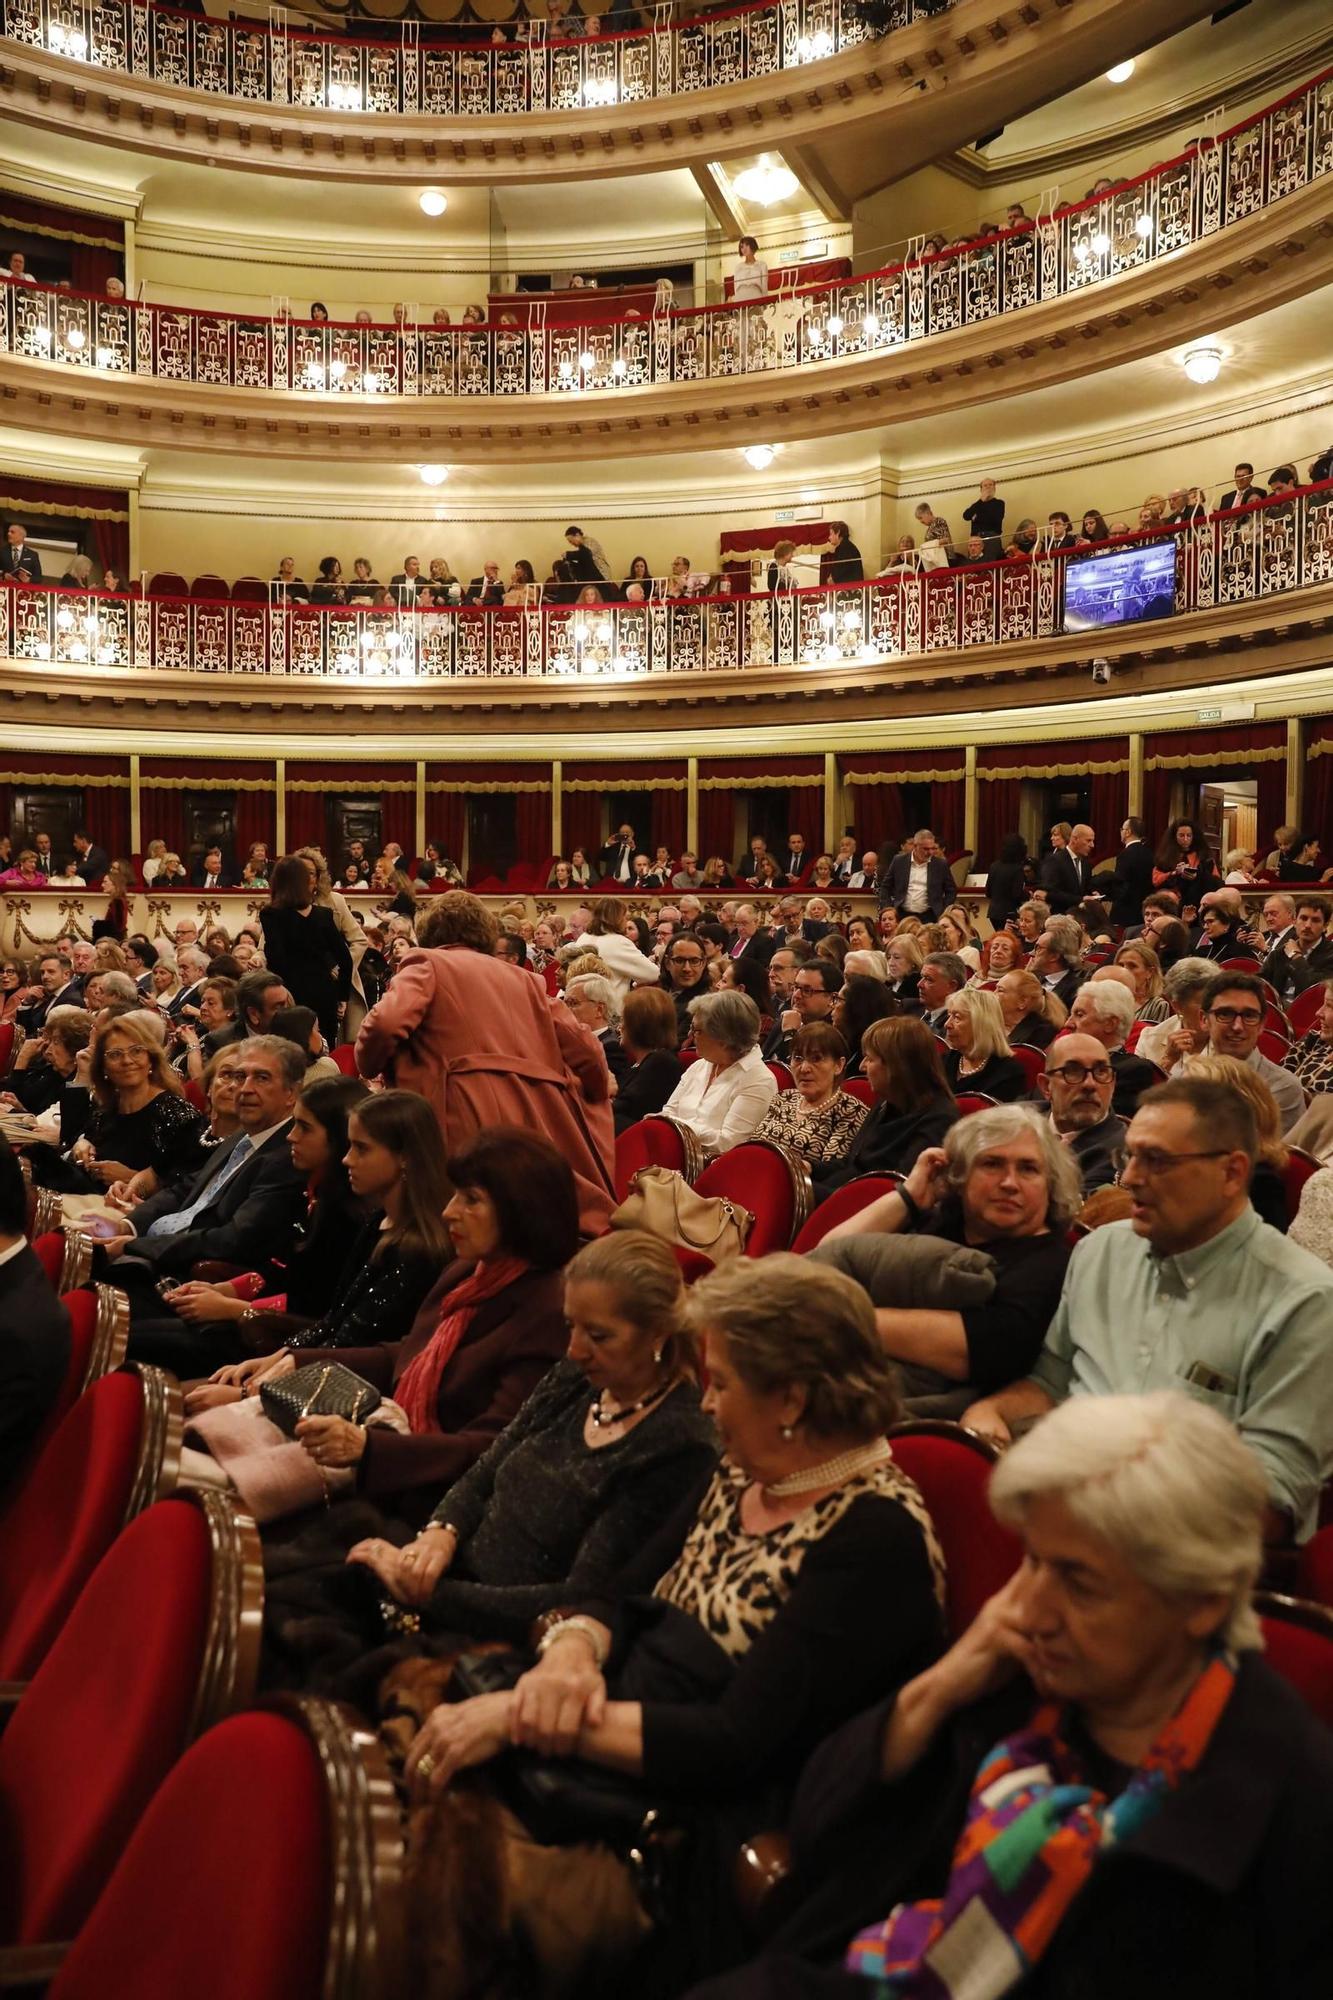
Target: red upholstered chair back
[49,1250]
[952,1469]
[167,583]
[652,1142]
[693,1263]
[345,1056]
[974,1100]
[115,1452]
[82,1310]
[227,1888]
[1241,965]
[1302,1010]
[781,1075]
[7,1032]
[162,1642]
[196,1095]
[1314,1572]
[1298,1644]
[849,1199]
[1297,1172]
[249,590]
[1274,1043]
[1032,1061]
[215,588]
[772,1182]
[859,1088]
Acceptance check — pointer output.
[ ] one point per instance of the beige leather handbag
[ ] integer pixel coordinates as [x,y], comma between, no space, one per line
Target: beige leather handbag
[662,1201]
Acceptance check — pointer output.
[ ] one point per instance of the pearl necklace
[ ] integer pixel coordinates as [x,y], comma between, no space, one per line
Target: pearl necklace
[833,1471]
[604,1421]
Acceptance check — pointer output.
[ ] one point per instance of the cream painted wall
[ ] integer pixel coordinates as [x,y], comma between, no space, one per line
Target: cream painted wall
[203,278]
[191,539]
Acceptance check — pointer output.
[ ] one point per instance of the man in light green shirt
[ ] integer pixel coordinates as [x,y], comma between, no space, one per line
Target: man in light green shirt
[1194,1292]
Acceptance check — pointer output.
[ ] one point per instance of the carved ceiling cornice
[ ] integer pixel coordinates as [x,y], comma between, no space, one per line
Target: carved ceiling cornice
[1274,256]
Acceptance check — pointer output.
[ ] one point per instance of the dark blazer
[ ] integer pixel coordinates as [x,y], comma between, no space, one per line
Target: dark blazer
[1006,888]
[1133,1075]
[1222,1892]
[1228,945]
[888,1142]
[1001,1078]
[940,885]
[645,1088]
[226,879]
[1067,986]
[1065,880]
[1233,498]
[1288,976]
[24,557]
[1097,1149]
[311,955]
[511,1342]
[252,1220]
[1131,882]
[842,565]
[93,865]
[481,592]
[609,859]
[34,1358]
[1034,1031]
[616,1059]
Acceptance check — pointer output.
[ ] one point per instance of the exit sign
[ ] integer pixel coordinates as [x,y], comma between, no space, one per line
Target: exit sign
[1210,715]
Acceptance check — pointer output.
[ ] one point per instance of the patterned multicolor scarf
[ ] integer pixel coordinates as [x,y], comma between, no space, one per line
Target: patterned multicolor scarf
[1034,1831]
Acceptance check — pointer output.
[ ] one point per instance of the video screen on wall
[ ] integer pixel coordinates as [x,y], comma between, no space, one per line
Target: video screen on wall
[1120,587]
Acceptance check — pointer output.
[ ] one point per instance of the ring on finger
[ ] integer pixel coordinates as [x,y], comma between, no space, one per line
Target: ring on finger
[425,1765]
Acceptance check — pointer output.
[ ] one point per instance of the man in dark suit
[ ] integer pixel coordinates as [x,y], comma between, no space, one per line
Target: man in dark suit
[34,1331]
[55,977]
[591,1000]
[1132,877]
[1067,873]
[486,588]
[615,863]
[747,868]
[46,860]
[21,562]
[751,940]
[241,1208]
[1078,1086]
[1103,1009]
[1244,490]
[796,862]
[209,872]
[784,963]
[1302,953]
[918,883]
[93,861]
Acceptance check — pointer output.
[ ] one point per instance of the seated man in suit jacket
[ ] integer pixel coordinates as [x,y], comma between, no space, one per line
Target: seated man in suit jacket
[241,1208]
[211,872]
[34,1331]
[919,883]
[488,588]
[1298,957]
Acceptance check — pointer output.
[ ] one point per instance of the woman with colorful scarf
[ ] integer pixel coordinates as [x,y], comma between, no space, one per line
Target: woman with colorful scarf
[1101,1790]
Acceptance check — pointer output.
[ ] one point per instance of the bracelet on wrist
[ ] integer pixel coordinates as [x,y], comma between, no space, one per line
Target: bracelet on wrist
[910,1203]
[585,1626]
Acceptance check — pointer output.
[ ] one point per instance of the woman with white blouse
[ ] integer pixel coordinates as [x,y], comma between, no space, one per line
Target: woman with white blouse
[724,1094]
[625,964]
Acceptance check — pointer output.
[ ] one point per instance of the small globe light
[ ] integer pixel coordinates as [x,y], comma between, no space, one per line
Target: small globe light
[1101,243]
[587,361]
[1122,72]
[870,325]
[1203,364]
[433,475]
[835,324]
[759,456]
[75,337]
[1144,227]
[431,202]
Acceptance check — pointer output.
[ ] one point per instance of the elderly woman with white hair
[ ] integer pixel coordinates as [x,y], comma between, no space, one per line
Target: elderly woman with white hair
[1185,1031]
[979,1060]
[1102,1787]
[1004,1184]
[725,1093]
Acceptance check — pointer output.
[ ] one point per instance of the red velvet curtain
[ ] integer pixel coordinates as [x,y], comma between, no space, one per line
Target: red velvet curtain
[667,823]
[398,820]
[305,820]
[532,826]
[91,264]
[877,817]
[1203,747]
[106,812]
[256,819]
[1108,803]
[111,545]
[445,822]
[1157,802]
[581,823]
[48,217]
[1272,800]
[717,821]
[1318,813]
[998,802]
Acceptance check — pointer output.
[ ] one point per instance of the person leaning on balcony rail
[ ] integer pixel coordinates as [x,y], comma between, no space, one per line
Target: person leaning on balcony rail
[751,277]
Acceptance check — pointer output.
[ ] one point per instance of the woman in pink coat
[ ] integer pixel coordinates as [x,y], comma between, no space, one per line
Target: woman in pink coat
[480,1040]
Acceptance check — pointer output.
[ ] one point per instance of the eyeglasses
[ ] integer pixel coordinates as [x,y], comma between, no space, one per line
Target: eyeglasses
[1230,1015]
[691,958]
[1151,1160]
[124,1055]
[1075,1072]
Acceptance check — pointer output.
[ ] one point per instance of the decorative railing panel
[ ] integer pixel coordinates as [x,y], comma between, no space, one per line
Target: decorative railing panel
[277,63]
[1178,204]
[1270,549]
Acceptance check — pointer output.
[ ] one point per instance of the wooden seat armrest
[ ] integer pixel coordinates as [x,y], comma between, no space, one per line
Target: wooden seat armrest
[26,1970]
[763,1864]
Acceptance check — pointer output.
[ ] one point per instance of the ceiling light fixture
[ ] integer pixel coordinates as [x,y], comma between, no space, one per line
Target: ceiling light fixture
[766,183]
[1121,73]
[431,202]
[1203,364]
[433,475]
[760,456]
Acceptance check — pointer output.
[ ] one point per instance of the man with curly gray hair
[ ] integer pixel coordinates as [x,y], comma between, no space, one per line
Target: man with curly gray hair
[1001,1184]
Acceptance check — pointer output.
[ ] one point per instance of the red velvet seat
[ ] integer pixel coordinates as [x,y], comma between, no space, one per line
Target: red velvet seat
[1298,1644]
[99,1327]
[655,1142]
[215,589]
[229,1892]
[167,583]
[771,1181]
[1241,965]
[116,1451]
[952,1468]
[974,1100]
[163,1641]
[859,1088]
[1297,1172]
[1032,1061]
[195,1094]
[1314,1572]
[8,1032]
[1303,1009]
[249,590]
[693,1263]
[847,1200]
[344,1054]
[1275,1043]
[66,1258]
[781,1075]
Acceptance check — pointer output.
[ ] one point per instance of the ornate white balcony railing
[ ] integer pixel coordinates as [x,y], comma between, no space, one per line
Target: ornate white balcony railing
[1179,203]
[404,76]
[1270,549]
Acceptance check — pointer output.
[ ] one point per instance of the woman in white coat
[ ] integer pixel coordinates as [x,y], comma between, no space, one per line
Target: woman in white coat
[625,964]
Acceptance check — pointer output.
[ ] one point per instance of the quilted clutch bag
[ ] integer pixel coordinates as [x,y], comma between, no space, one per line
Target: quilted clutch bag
[321,1389]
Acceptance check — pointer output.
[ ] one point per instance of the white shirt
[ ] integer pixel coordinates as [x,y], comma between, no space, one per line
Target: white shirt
[751,281]
[625,964]
[723,1108]
[19,1243]
[917,899]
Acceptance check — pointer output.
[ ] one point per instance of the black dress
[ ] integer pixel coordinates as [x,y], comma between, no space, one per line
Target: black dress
[309,953]
[999,1077]
[166,1134]
[887,1143]
[646,1088]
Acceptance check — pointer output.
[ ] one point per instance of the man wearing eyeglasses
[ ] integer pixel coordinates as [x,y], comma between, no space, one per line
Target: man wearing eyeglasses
[1078,1086]
[1234,1005]
[1195,1293]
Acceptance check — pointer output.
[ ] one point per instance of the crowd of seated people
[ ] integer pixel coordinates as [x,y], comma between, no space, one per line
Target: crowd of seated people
[676,1511]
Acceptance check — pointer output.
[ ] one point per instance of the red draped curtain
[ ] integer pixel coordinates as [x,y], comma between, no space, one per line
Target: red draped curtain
[1245,750]
[881,820]
[162,806]
[106,510]
[999,798]
[998,801]
[669,813]
[106,804]
[717,821]
[531,782]
[805,802]
[1318,814]
[584,784]
[398,819]
[446,822]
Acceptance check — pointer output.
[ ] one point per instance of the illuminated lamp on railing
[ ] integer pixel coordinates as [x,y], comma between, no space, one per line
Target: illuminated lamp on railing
[851,621]
[344,662]
[813,48]
[600,90]
[835,323]
[337,370]
[90,624]
[77,649]
[105,357]
[580,633]
[314,375]
[1082,252]
[870,325]
[75,337]
[67,41]
[565,370]
[603,634]
[1144,227]
[1101,243]
[619,368]
[40,336]
[370,381]
[64,619]
[43,649]
[827,620]
[587,362]
[345,97]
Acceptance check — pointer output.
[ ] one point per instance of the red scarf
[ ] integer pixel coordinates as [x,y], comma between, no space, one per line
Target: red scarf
[417,1391]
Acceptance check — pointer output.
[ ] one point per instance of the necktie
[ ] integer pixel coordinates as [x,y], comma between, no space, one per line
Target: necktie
[175,1225]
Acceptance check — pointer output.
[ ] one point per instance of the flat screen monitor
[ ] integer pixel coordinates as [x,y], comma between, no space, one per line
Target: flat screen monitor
[1121,586]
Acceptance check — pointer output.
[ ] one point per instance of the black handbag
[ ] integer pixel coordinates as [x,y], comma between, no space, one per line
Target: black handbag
[320,1389]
